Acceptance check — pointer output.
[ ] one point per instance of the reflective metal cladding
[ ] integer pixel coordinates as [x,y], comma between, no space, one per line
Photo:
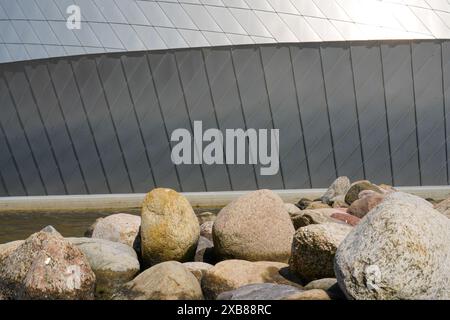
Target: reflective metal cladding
[33,29]
[91,110]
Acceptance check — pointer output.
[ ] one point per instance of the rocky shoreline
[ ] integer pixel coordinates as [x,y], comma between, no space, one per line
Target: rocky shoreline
[358,241]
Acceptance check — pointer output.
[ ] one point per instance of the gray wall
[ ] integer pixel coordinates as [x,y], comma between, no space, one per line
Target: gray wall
[100,123]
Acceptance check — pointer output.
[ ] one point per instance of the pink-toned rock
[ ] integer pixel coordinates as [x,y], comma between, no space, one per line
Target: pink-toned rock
[120,227]
[46,266]
[346,218]
[368,200]
[355,189]
[255,227]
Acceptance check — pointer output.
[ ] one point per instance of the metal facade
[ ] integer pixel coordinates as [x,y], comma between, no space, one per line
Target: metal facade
[91,111]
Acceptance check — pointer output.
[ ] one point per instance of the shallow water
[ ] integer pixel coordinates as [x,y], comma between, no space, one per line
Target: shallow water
[18,226]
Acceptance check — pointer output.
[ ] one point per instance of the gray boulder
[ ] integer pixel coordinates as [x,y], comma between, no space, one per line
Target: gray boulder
[399,250]
[260,291]
[338,188]
[113,263]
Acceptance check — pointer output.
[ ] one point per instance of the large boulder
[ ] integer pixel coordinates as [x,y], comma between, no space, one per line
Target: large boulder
[338,188]
[399,250]
[169,228]
[358,186]
[46,266]
[120,227]
[260,291]
[232,274]
[168,280]
[113,263]
[254,227]
[314,248]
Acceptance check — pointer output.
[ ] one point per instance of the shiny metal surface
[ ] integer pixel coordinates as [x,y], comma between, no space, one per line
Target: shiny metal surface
[35,29]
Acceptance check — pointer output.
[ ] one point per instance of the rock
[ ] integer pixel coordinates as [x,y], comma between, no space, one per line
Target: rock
[303,203]
[314,294]
[198,269]
[229,275]
[444,207]
[317,216]
[358,186]
[46,266]
[292,209]
[7,248]
[169,229]
[113,263]
[400,250]
[346,218]
[205,217]
[329,285]
[255,227]
[387,188]
[408,198]
[314,248]
[324,284]
[205,251]
[317,205]
[121,227]
[260,291]
[206,230]
[368,200]
[339,202]
[338,188]
[168,280]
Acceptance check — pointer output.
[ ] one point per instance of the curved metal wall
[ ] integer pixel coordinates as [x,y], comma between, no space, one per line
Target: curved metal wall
[35,29]
[100,123]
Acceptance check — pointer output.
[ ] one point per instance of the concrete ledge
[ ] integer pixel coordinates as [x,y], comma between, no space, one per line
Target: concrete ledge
[127,202]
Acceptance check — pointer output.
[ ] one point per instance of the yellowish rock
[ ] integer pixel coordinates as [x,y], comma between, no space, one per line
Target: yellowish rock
[169,227]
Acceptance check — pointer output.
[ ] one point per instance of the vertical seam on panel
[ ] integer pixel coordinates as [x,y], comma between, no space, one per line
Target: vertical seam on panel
[138,122]
[2,181]
[45,131]
[164,121]
[242,108]
[300,117]
[114,126]
[357,112]
[444,106]
[386,115]
[188,114]
[270,108]
[328,111]
[91,131]
[415,113]
[215,112]
[8,145]
[26,138]
[67,128]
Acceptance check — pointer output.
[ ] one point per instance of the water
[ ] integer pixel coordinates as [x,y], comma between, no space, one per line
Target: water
[19,226]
